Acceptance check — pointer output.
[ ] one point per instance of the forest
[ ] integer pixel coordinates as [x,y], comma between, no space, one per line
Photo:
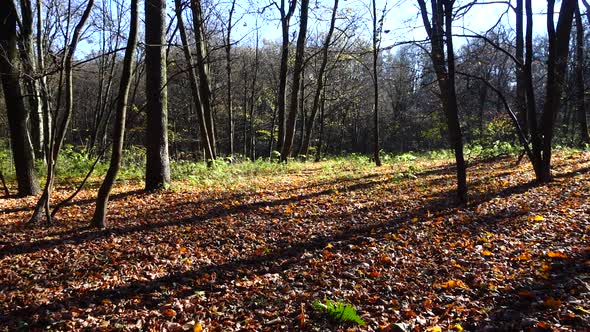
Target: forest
[287,165]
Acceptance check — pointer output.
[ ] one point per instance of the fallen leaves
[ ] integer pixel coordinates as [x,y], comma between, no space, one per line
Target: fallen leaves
[255,257]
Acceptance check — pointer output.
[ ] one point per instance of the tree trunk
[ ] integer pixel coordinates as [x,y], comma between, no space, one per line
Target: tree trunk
[28,60]
[286,15]
[194,86]
[204,73]
[445,71]
[320,84]
[15,108]
[579,79]
[375,75]
[297,71]
[157,173]
[556,67]
[228,68]
[100,213]
[520,79]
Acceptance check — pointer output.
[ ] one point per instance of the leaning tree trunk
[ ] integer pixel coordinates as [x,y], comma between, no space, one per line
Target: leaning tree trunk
[320,83]
[157,172]
[204,72]
[15,108]
[194,85]
[297,71]
[100,213]
[59,131]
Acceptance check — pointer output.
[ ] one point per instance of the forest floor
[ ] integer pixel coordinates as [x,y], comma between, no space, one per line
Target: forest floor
[255,253]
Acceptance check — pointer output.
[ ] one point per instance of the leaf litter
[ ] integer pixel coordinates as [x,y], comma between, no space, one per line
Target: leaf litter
[255,257]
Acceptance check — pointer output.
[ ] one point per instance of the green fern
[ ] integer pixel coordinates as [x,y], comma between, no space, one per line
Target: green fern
[339,311]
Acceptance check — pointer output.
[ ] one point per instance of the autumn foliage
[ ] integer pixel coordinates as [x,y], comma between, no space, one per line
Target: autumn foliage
[256,254]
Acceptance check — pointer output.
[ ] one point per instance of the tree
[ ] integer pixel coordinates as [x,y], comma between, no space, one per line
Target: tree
[286,14]
[439,30]
[203,71]
[377,29]
[100,212]
[62,121]
[558,39]
[17,113]
[157,173]
[297,73]
[204,129]
[228,62]
[27,56]
[579,79]
[320,82]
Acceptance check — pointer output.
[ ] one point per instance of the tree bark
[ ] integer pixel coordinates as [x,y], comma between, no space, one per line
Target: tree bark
[228,60]
[375,74]
[297,71]
[286,14]
[437,30]
[520,79]
[100,212]
[579,79]
[194,85]
[15,108]
[556,66]
[320,83]
[204,72]
[157,174]
[32,86]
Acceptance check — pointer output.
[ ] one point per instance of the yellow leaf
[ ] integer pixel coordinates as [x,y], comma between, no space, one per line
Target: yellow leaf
[329,246]
[486,253]
[414,219]
[457,327]
[454,284]
[556,254]
[538,218]
[198,328]
[434,329]
[524,257]
[580,309]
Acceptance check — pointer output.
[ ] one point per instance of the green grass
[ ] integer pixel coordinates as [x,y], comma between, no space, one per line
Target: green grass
[73,165]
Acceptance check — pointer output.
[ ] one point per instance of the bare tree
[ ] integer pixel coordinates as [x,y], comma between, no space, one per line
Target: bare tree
[100,212]
[203,71]
[286,9]
[194,85]
[439,30]
[320,82]
[297,73]
[61,120]
[579,79]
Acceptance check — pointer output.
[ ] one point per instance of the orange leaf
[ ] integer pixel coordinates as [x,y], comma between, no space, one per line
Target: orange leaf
[454,284]
[556,254]
[486,253]
[169,312]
